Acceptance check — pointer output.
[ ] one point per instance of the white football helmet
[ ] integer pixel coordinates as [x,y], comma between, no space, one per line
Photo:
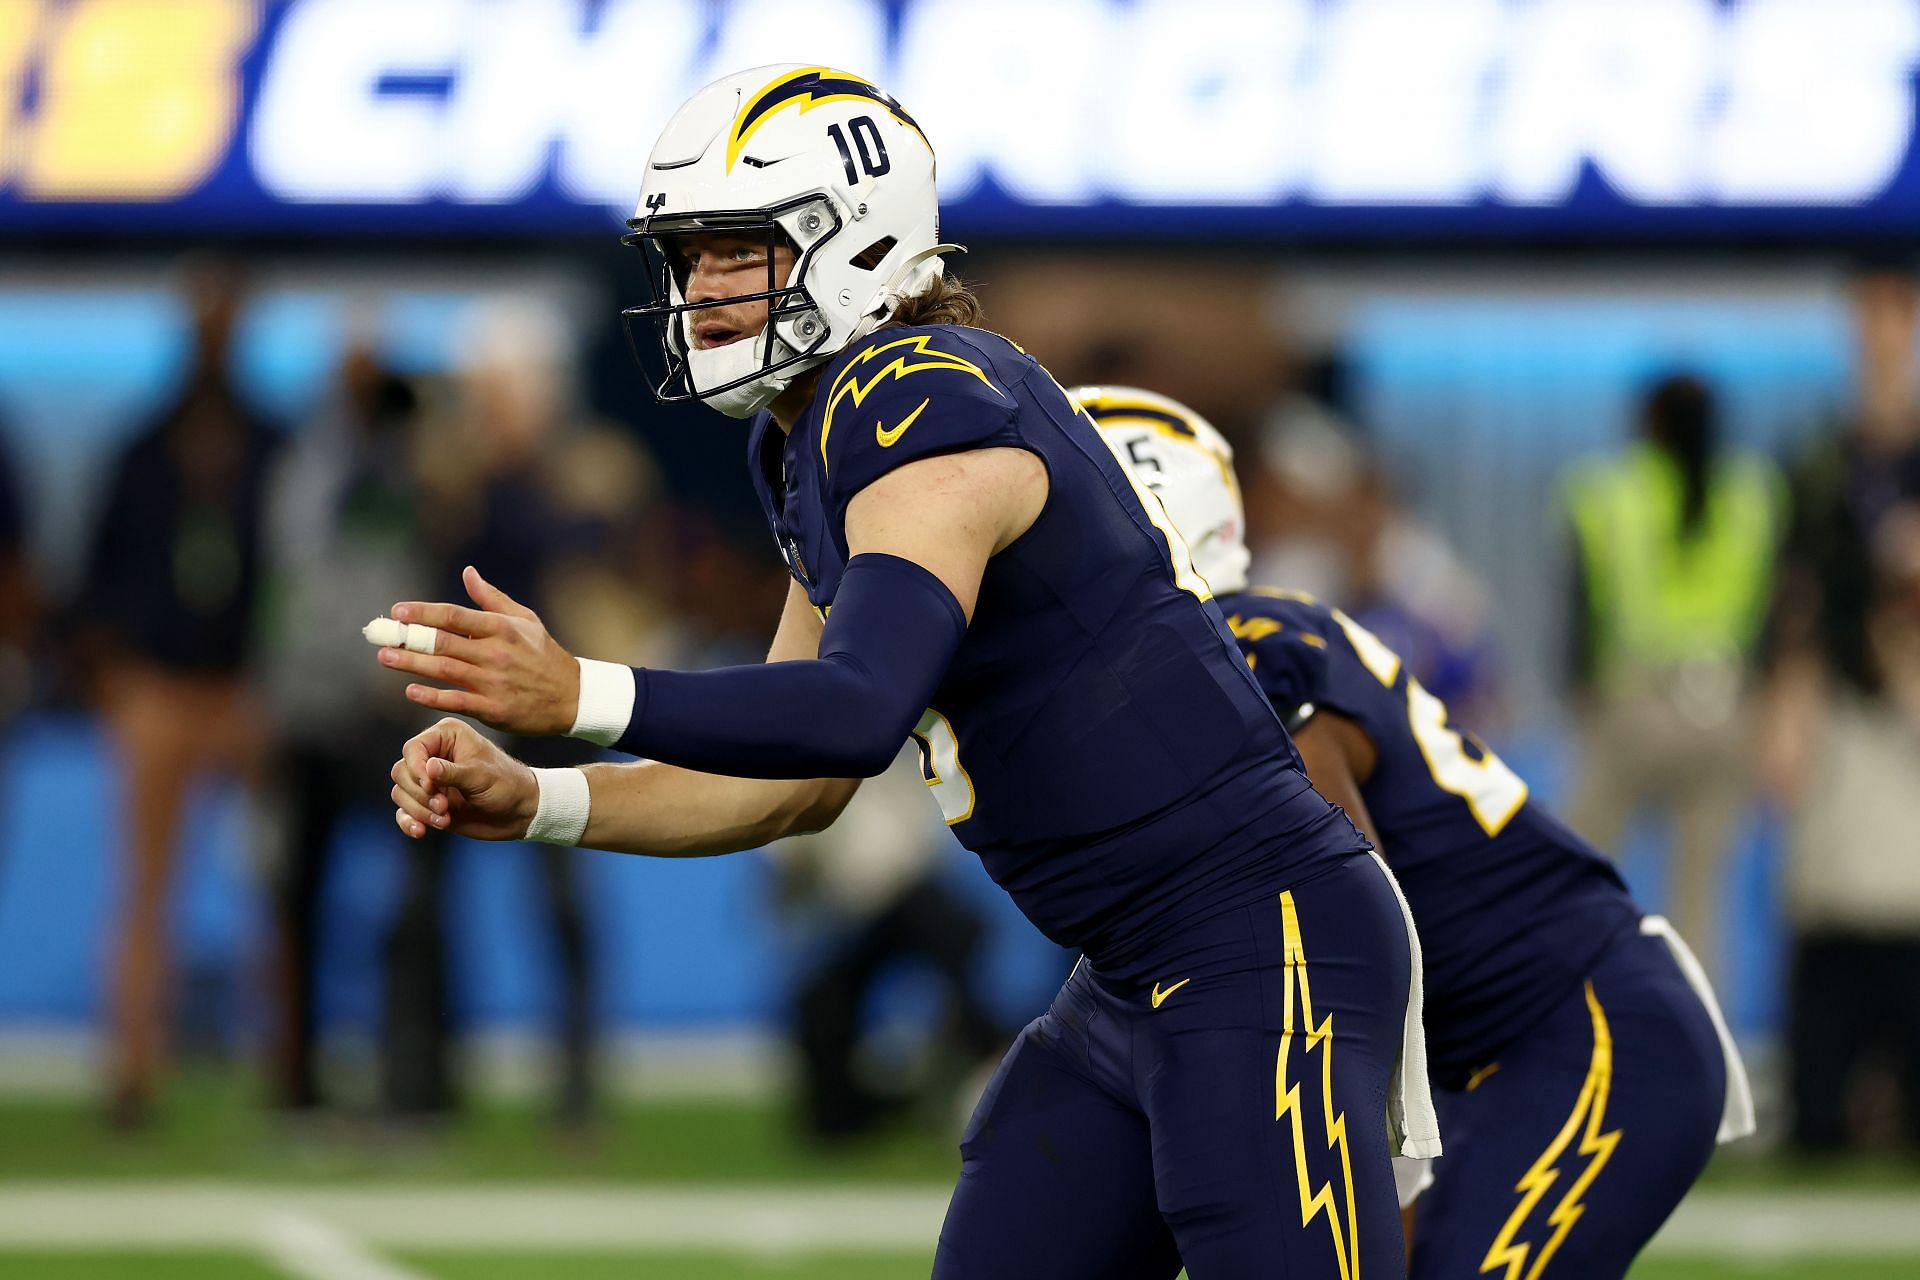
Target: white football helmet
[1186,462]
[822,158]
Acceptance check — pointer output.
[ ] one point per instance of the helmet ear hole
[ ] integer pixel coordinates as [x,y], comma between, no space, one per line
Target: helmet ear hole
[874,254]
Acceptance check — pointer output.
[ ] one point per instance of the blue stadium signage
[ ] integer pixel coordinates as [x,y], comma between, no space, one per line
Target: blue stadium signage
[1308,118]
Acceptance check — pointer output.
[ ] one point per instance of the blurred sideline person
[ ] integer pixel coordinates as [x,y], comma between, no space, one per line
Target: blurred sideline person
[1839,745]
[1330,523]
[1853,897]
[873,890]
[516,482]
[1566,1031]
[344,538]
[168,611]
[1675,541]
[972,567]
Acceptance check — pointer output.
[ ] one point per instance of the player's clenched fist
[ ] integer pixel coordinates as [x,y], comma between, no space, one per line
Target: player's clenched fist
[505,669]
[452,779]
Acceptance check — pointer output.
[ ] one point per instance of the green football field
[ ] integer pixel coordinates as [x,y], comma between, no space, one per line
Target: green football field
[696,1266]
[716,1266]
[221,1191]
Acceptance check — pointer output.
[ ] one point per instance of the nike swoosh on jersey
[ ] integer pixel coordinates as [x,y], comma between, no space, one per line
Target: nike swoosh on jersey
[888,438]
[1160,996]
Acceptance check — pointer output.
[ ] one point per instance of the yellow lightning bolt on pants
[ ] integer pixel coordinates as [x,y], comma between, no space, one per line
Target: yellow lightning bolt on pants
[1313,1202]
[1587,1121]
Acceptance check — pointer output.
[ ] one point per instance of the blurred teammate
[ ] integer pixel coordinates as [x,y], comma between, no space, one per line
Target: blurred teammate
[1212,1085]
[1581,1068]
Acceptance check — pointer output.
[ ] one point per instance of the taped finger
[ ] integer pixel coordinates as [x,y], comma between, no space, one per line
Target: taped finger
[388,633]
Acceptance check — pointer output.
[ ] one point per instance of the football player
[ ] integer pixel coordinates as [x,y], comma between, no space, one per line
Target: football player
[971,566]
[1580,1064]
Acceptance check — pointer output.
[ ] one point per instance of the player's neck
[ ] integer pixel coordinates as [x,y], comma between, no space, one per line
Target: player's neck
[791,403]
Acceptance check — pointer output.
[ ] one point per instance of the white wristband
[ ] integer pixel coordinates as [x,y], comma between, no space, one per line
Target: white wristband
[565,803]
[606,702]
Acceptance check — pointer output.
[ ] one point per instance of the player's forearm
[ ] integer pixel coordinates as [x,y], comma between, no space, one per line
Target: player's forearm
[780,720]
[894,630]
[663,811]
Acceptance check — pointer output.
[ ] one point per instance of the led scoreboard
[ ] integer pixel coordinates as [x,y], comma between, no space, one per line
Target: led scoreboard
[1299,118]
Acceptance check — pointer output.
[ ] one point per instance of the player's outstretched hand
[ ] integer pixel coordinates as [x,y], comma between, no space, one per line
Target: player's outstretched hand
[504,669]
[451,779]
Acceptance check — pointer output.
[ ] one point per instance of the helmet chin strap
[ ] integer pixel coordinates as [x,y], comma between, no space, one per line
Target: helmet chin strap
[739,360]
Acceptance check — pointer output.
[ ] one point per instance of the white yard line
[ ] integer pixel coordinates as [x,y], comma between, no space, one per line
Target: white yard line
[333,1228]
[661,1064]
[733,1218]
[311,1250]
[1773,1224]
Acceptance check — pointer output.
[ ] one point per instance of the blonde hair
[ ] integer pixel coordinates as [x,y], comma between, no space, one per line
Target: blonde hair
[948,301]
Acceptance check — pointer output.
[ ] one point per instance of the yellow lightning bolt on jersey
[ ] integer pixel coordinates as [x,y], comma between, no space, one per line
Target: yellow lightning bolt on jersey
[1313,1202]
[1588,1118]
[1253,629]
[857,381]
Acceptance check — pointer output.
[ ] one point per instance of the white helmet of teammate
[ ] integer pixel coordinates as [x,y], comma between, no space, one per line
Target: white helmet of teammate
[1181,457]
[820,158]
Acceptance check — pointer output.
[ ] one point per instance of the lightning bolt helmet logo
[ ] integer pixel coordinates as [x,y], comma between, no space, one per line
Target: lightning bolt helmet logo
[808,88]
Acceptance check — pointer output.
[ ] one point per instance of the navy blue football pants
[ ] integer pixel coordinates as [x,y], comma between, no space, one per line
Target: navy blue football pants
[1229,1114]
[1566,1153]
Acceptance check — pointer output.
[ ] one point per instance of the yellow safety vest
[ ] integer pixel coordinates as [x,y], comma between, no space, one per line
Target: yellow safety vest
[1658,598]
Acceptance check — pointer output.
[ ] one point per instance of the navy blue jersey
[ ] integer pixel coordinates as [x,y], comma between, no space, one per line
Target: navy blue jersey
[1512,906]
[1097,740]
